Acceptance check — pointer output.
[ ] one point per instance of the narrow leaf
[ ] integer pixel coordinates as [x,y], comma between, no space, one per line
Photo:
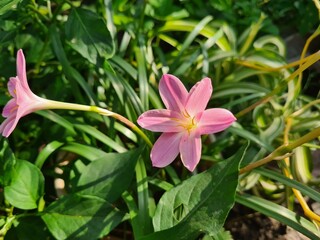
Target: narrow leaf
[279,213]
[7,161]
[6,5]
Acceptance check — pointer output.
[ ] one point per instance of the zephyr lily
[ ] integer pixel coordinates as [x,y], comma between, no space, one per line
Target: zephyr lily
[24,101]
[183,122]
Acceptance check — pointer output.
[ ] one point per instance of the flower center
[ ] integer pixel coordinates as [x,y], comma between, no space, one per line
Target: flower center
[188,122]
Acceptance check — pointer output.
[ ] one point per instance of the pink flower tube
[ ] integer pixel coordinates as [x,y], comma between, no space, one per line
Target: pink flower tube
[24,101]
[183,122]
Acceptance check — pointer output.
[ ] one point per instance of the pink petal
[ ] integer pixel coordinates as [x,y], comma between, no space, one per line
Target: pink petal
[25,96]
[215,120]
[162,120]
[199,97]
[173,93]
[10,108]
[21,69]
[190,150]
[165,149]
[12,86]
[8,125]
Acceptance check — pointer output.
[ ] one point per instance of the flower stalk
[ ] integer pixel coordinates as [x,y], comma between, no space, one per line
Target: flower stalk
[24,102]
[282,151]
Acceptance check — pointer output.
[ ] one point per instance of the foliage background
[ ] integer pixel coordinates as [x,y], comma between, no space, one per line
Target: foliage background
[112,54]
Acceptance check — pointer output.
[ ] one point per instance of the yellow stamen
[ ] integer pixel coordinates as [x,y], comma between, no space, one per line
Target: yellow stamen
[188,122]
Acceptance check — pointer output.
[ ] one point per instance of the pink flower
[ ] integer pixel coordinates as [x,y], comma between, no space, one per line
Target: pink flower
[183,122]
[24,101]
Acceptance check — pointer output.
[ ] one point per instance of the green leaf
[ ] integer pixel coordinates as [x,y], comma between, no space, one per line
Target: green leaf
[46,152]
[7,161]
[238,130]
[200,204]
[100,136]
[165,10]
[81,218]
[69,71]
[108,176]
[30,228]
[88,152]
[89,35]
[26,186]
[142,76]
[6,5]
[303,188]
[188,26]
[56,118]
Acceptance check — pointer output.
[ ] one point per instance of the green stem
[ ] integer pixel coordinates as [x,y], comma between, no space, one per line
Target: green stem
[283,150]
[6,226]
[133,127]
[50,104]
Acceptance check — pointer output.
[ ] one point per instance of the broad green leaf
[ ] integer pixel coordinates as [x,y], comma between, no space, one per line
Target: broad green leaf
[198,205]
[81,218]
[108,176]
[89,35]
[6,5]
[26,186]
[7,161]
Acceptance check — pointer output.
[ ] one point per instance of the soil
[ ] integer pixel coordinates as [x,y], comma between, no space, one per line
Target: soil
[256,226]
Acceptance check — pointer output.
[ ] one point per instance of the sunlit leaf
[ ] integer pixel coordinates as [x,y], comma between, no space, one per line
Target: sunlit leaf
[88,34]
[26,186]
[109,176]
[79,217]
[6,5]
[198,205]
